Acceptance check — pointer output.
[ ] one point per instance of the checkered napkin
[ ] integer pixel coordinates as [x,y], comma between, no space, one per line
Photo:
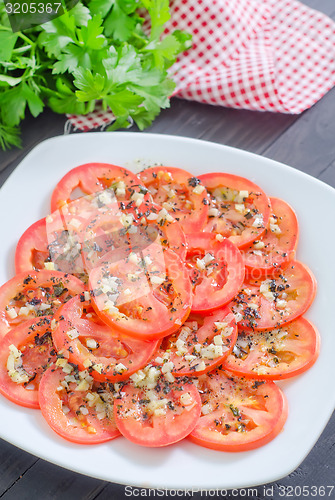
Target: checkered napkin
[269,55]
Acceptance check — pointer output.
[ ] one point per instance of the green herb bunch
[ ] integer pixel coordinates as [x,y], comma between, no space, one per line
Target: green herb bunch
[97,51]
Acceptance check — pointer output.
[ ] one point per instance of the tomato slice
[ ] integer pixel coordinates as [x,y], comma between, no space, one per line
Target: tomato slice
[75,406]
[25,353]
[238,414]
[275,354]
[178,192]
[201,344]
[32,248]
[92,344]
[216,271]
[131,228]
[64,235]
[239,209]
[93,177]
[33,294]
[146,296]
[272,302]
[158,413]
[52,243]
[273,251]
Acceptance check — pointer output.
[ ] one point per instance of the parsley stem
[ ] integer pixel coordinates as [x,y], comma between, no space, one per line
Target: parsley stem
[19,50]
[25,38]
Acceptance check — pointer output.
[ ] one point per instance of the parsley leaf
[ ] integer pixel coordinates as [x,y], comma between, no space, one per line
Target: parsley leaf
[97,51]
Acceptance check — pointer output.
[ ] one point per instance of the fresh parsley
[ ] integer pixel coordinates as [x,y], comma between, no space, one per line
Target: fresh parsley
[111,51]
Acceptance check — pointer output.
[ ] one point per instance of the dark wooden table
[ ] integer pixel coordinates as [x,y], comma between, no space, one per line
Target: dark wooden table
[306,142]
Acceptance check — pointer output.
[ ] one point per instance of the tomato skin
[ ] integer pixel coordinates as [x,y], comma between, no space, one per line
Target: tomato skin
[32,248]
[213,291]
[279,249]
[150,310]
[113,348]
[298,284]
[89,430]
[188,207]
[163,430]
[37,286]
[227,221]
[272,357]
[255,412]
[91,178]
[202,336]
[33,339]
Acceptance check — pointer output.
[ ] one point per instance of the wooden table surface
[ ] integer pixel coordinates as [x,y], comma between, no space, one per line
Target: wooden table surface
[306,142]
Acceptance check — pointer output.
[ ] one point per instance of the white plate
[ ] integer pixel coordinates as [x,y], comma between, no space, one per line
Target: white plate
[25,198]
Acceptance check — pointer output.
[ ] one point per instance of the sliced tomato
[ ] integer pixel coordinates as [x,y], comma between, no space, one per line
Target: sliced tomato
[269,303]
[238,414]
[273,251]
[52,243]
[25,353]
[146,296]
[181,194]
[157,416]
[32,248]
[131,228]
[32,294]
[275,354]
[64,235]
[201,344]
[92,344]
[239,209]
[76,407]
[93,177]
[216,271]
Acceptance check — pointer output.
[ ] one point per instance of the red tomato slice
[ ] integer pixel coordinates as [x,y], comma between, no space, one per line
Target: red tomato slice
[76,407]
[25,353]
[216,270]
[32,248]
[178,192]
[33,294]
[201,344]
[52,243]
[64,235]
[131,228]
[272,302]
[273,251]
[93,177]
[238,414]
[92,344]
[239,209]
[162,415]
[275,354]
[146,296]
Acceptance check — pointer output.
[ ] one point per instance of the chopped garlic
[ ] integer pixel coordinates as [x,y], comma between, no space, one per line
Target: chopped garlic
[239,207]
[198,189]
[50,266]
[73,333]
[24,311]
[91,344]
[12,313]
[82,386]
[186,399]
[258,245]
[206,409]
[120,368]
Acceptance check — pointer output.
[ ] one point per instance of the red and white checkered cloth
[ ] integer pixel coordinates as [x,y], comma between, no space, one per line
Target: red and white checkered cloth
[268,55]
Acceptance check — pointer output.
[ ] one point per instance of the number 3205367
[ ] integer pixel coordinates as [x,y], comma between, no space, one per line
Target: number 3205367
[32,8]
